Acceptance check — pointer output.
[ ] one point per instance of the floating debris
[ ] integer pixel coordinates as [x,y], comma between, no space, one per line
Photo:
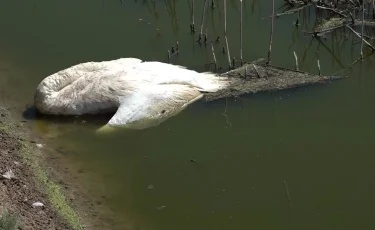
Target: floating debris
[161,207]
[39,145]
[37,204]
[150,186]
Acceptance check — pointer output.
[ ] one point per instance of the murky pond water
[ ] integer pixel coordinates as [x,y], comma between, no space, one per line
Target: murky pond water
[221,165]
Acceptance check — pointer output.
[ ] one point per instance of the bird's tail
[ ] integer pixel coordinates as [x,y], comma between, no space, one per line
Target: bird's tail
[211,82]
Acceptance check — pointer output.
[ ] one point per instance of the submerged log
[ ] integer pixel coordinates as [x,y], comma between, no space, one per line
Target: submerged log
[259,77]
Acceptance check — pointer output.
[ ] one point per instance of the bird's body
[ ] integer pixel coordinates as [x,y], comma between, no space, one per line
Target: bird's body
[142,94]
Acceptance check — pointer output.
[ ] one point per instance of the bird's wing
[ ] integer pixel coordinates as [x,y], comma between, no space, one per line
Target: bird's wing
[87,67]
[157,73]
[152,105]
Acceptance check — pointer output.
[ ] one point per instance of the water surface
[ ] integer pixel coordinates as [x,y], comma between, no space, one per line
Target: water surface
[220,165]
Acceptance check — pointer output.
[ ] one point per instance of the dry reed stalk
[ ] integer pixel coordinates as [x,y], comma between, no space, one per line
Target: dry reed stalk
[271,34]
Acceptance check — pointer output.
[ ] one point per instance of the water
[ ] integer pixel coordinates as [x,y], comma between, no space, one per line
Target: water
[221,165]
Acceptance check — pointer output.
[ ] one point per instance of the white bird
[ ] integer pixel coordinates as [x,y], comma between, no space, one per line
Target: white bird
[141,94]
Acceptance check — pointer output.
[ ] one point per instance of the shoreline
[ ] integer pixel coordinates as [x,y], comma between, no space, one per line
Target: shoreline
[32,182]
[44,175]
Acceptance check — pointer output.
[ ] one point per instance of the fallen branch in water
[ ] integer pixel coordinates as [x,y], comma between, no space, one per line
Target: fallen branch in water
[258,77]
[358,35]
[333,10]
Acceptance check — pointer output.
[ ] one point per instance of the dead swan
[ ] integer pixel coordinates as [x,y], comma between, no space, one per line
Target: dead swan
[142,94]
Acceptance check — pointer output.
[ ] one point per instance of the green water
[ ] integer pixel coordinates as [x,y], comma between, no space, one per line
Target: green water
[220,165]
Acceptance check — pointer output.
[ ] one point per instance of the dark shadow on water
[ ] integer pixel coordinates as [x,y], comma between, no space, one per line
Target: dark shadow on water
[269,95]
[32,114]
[29,113]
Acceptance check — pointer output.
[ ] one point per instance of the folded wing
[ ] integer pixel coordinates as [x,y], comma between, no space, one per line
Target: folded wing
[153,104]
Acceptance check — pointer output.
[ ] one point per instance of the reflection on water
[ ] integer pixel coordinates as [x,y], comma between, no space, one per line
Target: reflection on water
[220,165]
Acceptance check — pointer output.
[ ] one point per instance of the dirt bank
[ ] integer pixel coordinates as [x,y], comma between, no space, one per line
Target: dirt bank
[30,185]
[44,176]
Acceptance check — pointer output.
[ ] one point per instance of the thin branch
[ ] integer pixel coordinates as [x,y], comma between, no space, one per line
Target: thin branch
[296,59]
[364,40]
[318,62]
[333,10]
[192,26]
[363,19]
[225,17]
[225,31]
[241,36]
[214,56]
[204,11]
[271,34]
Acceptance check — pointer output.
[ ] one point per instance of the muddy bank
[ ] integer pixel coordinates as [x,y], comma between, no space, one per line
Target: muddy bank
[45,176]
[17,195]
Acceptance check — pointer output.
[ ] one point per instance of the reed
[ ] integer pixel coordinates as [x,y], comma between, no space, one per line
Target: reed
[271,33]
[225,32]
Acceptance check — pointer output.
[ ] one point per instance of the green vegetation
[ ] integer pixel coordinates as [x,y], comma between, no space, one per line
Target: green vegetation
[30,155]
[56,197]
[8,221]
